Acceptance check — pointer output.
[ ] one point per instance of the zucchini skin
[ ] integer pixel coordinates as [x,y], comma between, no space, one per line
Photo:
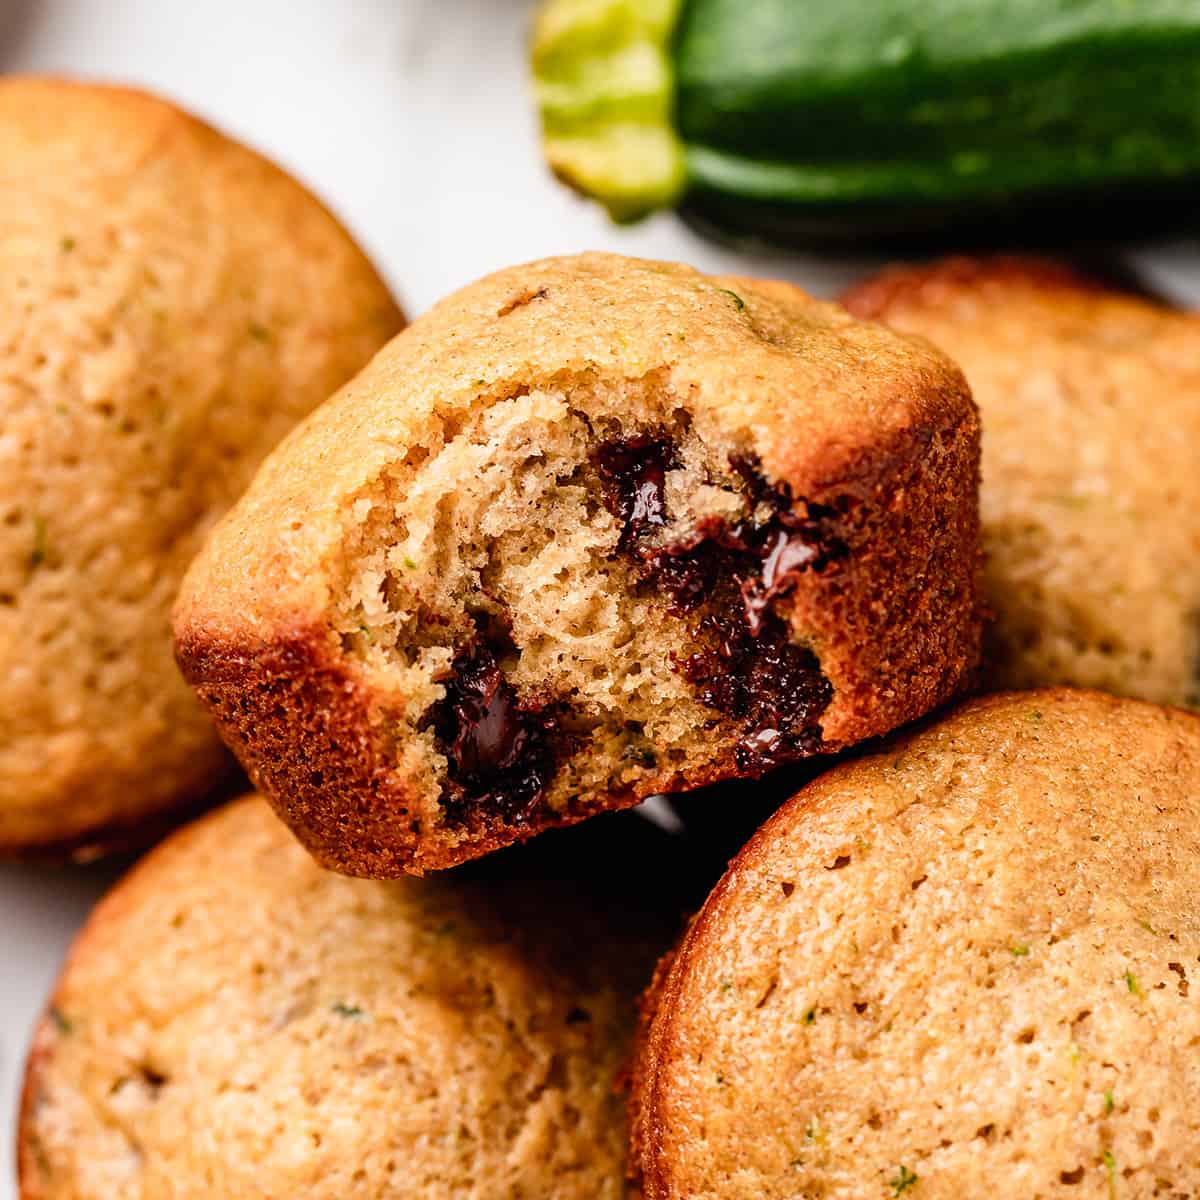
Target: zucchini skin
[1083,218]
[888,118]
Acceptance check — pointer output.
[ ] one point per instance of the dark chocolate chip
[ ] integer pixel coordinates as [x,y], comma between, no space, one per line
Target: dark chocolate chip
[490,735]
[730,575]
[755,484]
[788,555]
[690,571]
[772,686]
[501,752]
[633,471]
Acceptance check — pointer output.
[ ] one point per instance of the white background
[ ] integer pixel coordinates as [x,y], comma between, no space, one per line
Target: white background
[411,118]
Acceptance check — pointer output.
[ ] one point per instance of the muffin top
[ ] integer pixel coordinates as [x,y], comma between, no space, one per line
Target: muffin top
[1091,496]
[823,401]
[170,305]
[234,1021]
[959,967]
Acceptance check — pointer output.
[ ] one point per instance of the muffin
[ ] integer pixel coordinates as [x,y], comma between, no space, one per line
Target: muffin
[170,305]
[233,1021]
[1091,492]
[592,529]
[958,967]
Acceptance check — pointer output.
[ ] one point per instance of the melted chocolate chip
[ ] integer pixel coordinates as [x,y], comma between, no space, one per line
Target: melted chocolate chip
[748,667]
[633,471]
[791,544]
[501,752]
[776,496]
[774,687]
[727,578]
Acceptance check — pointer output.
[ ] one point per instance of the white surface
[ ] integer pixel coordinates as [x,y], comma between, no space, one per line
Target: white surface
[411,118]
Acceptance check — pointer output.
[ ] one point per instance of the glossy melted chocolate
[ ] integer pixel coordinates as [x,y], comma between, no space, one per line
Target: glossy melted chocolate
[633,472]
[501,752]
[726,577]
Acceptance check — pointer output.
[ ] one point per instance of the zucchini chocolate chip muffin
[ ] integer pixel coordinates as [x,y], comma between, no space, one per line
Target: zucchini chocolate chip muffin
[170,305]
[1090,399]
[591,529]
[234,1022]
[960,967]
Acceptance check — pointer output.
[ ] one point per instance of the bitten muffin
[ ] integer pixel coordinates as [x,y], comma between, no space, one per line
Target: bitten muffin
[593,528]
[1090,397]
[959,967]
[233,1021]
[170,305]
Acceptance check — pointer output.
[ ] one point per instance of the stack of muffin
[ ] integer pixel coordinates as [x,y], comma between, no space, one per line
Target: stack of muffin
[591,530]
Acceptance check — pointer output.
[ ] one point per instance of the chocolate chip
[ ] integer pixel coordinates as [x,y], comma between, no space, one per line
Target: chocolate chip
[789,554]
[774,687]
[501,753]
[633,471]
[727,577]
[755,484]
[490,735]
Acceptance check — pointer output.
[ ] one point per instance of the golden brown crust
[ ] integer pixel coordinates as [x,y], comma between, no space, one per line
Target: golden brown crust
[33,1180]
[1087,386]
[29,1171]
[231,1018]
[842,413]
[170,305]
[933,284]
[654,1048]
[644,1124]
[853,1003]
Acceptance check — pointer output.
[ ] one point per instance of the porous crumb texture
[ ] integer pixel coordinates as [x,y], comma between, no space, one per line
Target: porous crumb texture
[170,305]
[960,967]
[1091,493]
[235,1022]
[566,541]
[591,529]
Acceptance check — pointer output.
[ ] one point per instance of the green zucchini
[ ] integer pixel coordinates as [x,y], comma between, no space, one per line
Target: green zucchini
[873,116]
[604,83]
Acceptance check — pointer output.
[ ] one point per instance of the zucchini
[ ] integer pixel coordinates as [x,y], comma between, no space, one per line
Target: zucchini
[604,84]
[879,116]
